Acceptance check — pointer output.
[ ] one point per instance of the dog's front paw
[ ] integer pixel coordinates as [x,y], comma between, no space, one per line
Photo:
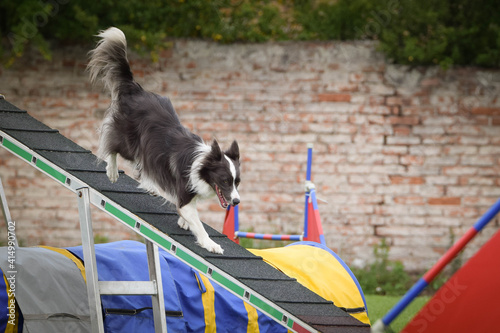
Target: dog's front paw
[182,223]
[112,174]
[211,246]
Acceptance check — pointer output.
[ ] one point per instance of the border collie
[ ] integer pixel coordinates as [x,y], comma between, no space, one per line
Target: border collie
[144,128]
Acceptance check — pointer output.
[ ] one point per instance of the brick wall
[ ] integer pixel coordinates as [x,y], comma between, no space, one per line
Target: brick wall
[408,154]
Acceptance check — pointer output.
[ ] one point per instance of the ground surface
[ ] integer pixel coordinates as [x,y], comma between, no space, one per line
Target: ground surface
[378,306]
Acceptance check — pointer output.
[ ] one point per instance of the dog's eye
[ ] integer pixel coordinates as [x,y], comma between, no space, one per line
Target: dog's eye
[237,182]
[227,181]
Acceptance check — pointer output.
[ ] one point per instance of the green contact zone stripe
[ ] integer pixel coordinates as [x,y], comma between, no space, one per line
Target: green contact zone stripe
[228,284]
[51,171]
[119,214]
[16,150]
[215,275]
[266,308]
[191,260]
[181,254]
[155,237]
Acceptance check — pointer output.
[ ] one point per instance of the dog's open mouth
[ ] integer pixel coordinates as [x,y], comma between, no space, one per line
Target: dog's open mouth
[222,200]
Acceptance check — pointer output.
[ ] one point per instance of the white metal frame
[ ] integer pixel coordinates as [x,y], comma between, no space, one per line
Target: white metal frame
[96,288]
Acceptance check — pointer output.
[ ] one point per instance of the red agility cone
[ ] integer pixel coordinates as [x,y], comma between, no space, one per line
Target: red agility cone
[229,225]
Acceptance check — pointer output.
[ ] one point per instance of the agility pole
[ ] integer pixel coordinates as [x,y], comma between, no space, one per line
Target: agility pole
[424,281]
[313,230]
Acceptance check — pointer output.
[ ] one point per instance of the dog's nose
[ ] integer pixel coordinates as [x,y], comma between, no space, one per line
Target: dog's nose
[235,201]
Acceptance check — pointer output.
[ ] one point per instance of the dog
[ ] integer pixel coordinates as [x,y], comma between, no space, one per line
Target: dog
[144,128]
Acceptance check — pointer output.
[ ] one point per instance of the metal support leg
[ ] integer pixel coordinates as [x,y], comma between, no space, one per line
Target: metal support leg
[160,319]
[96,288]
[89,259]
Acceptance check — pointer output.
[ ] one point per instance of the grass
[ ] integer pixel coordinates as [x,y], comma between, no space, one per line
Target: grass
[379,305]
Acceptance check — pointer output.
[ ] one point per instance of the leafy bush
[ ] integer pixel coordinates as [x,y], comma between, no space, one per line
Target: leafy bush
[341,20]
[146,24]
[445,32]
[459,32]
[383,277]
[427,32]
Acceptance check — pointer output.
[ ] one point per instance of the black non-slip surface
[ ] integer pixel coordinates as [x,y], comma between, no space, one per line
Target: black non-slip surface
[236,261]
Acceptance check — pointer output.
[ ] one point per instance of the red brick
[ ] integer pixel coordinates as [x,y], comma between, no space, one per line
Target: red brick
[430,82]
[406,180]
[393,100]
[412,160]
[403,120]
[490,111]
[357,77]
[334,97]
[444,201]
[409,200]
[68,63]
[402,130]
[278,198]
[375,100]
[138,73]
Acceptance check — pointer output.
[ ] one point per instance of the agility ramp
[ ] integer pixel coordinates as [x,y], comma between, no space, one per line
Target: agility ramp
[243,274]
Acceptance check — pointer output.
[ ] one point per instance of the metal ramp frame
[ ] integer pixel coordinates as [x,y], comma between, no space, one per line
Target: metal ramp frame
[255,282]
[96,288]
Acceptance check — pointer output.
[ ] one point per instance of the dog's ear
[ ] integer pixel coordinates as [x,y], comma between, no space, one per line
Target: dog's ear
[216,152]
[234,151]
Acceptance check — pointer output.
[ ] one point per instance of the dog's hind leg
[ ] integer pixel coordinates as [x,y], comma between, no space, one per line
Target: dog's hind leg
[189,220]
[112,168]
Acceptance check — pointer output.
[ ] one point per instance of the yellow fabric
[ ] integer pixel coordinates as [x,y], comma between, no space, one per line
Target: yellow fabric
[11,328]
[253,319]
[319,271]
[70,256]
[208,300]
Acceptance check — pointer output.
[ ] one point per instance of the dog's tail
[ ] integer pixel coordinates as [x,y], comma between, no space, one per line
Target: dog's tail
[108,61]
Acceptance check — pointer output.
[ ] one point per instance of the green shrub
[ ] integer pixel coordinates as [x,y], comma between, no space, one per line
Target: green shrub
[459,32]
[451,268]
[100,239]
[340,20]
[383,277]
[146,24]
[427,32]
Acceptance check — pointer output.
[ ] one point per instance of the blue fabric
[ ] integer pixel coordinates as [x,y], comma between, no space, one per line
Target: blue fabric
[233,315]
[4,303]
[184,278]
[268,325]
[230,312]
[127,261]
[182,286]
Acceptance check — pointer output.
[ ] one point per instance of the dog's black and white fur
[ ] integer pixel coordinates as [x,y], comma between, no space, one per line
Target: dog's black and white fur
[144,128]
